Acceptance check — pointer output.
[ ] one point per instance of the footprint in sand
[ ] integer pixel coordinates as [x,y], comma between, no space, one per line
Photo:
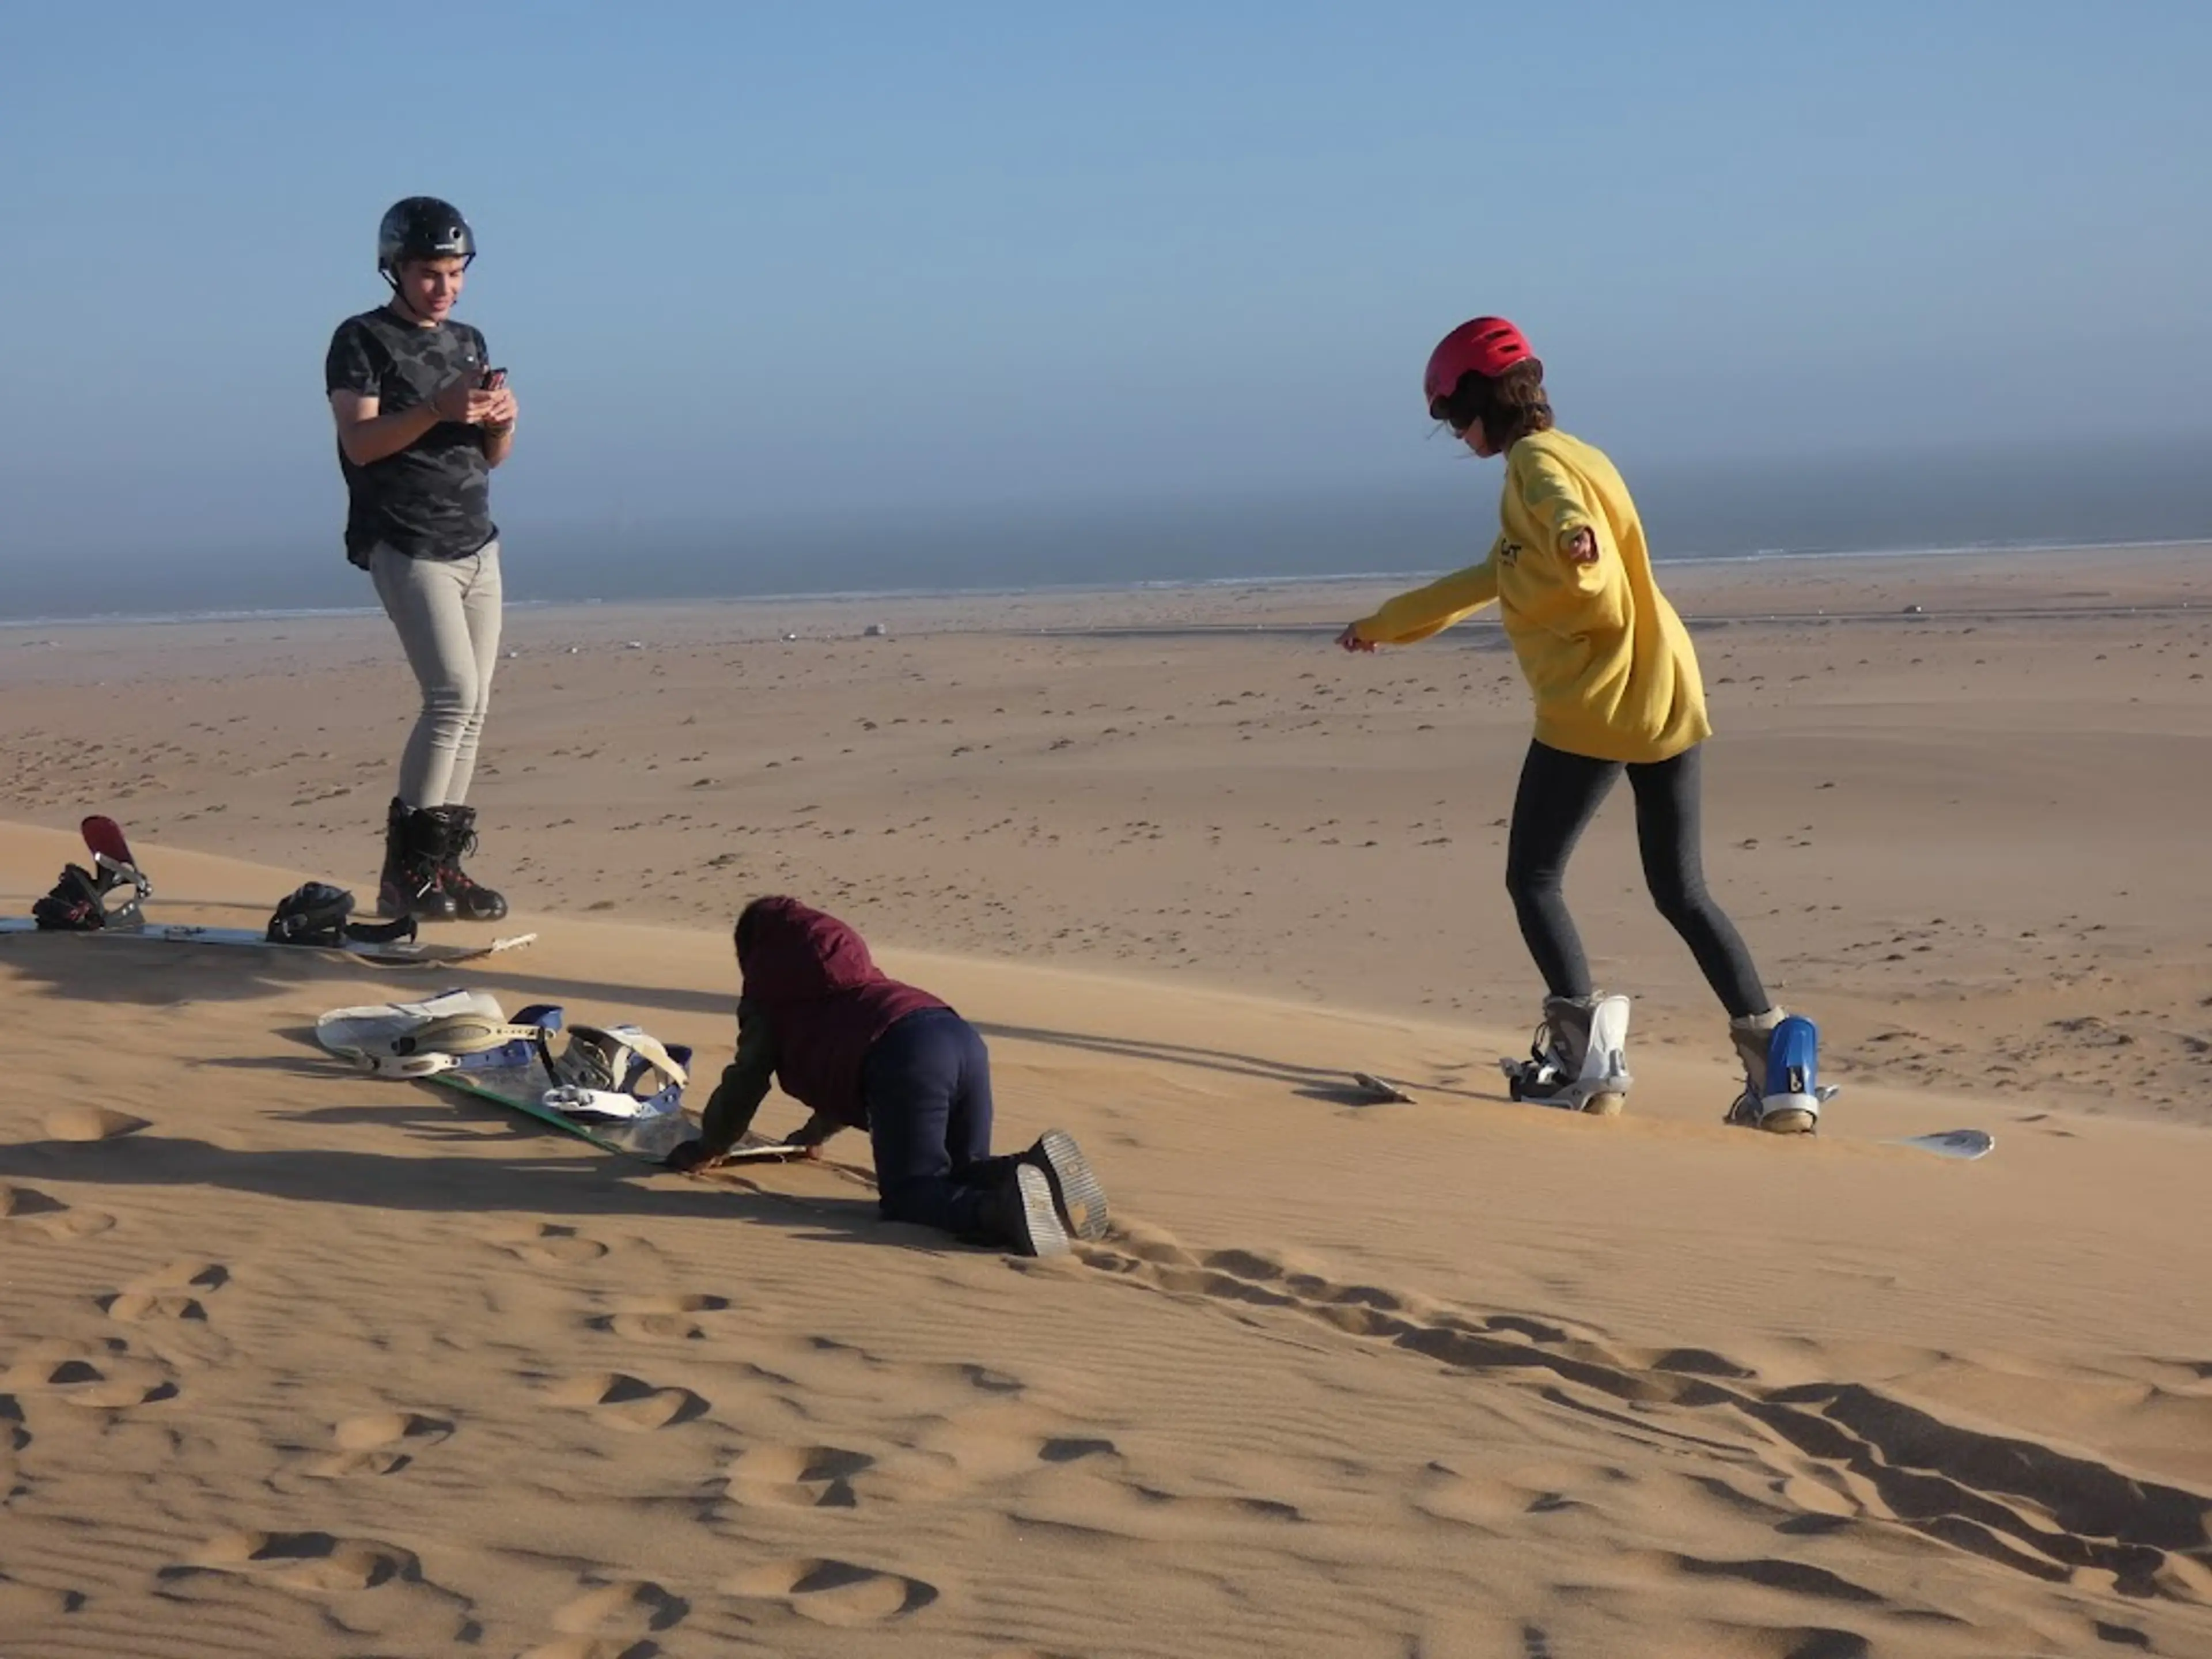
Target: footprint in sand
[378,1443]
[13,1437]
[92,1123]
[135,1307]
[1209,1509]
[95,1376]
[620,1611]
[547,1244]
[799,1477]
[626,1402]
[1796,1579]
[302,1560]
[660,1318]
[834,1592]
[1074,1450]
[22,1604]
[1488,1506]
[977,1445]
[167,1294]
[1499,1502]
[22,1203]
[27,1208]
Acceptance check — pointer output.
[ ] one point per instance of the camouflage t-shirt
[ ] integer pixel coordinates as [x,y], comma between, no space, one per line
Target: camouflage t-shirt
[432,499]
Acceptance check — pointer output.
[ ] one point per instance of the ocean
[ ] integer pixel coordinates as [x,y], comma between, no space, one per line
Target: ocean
[2107,492]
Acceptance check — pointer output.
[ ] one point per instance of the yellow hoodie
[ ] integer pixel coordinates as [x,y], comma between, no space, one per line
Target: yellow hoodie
[1610,663]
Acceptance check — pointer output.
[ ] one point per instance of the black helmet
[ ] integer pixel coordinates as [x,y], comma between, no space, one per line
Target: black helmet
[421,227]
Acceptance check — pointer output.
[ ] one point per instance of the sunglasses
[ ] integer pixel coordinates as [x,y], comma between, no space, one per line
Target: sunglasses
[1458,418]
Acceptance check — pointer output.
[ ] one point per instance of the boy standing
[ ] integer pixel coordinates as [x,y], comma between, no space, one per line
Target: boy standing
[422,418]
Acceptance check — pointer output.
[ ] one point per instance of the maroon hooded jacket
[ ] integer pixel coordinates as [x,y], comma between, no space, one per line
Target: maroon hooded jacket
[825,999]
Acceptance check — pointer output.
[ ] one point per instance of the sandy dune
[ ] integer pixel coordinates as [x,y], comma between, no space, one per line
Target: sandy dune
[296,1362]
[1969,840]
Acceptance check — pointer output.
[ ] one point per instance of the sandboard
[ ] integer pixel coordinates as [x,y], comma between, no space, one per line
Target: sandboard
[399,953]
[514,1076]
[1950,1143]
[1965,1143]
[1380,1092]
[522,1089]
[110,854]
[407,953]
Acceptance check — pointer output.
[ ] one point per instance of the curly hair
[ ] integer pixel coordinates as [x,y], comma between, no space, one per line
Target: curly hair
[1510,406]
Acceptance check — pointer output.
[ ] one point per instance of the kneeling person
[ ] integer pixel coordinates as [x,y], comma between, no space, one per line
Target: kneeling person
[862,1051]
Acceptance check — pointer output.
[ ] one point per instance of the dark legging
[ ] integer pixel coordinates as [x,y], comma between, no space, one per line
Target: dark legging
[927,1083]
[1560,794]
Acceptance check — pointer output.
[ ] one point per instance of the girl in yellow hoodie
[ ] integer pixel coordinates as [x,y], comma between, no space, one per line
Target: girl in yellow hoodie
[1616,687]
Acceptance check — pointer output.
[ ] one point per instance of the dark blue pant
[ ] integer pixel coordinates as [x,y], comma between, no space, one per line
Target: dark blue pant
[1560,794]
[927,1085]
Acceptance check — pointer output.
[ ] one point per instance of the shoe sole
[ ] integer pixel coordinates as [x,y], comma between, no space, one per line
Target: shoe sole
[1076,1186]
[1042,1233]
[1790,1123]
[391,909]
[1607,1103]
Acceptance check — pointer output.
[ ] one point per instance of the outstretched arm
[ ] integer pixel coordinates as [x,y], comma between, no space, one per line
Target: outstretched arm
[1425,610]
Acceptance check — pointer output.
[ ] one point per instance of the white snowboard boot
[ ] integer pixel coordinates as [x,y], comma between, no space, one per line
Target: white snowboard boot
[1782,1093]
[1579,1060]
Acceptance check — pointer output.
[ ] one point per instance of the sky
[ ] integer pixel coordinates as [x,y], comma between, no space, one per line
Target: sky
[842,262]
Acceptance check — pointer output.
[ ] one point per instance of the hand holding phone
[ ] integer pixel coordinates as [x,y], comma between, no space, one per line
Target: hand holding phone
[496,402]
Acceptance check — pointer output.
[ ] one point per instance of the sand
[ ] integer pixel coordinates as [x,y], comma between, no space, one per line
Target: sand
[297,1362]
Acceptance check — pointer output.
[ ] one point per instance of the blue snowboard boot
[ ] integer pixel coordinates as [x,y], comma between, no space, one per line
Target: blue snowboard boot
[1782,1091]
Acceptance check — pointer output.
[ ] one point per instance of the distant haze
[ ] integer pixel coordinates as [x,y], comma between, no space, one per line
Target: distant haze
[2021,497]
[859,295]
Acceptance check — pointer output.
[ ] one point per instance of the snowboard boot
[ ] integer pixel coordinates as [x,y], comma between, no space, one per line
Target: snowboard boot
[472,900]
[1579,1060]
[410,886]
[1075,1186]
[1076,1193]
[1781,1090]
[1016,1212]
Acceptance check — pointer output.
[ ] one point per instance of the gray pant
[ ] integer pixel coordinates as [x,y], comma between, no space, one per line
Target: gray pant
[447,612]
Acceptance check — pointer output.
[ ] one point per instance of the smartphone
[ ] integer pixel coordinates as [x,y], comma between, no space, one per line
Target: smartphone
[493,380]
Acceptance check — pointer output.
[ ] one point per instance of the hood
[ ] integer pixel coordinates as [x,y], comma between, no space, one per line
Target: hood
[789,952]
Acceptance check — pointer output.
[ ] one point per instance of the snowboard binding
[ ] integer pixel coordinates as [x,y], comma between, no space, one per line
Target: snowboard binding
[112,894]
[316,913]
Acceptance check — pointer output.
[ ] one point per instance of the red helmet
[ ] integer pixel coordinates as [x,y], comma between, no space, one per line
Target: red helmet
[1487,346]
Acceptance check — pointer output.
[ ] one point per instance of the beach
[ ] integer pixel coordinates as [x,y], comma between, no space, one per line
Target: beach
[294,1360]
